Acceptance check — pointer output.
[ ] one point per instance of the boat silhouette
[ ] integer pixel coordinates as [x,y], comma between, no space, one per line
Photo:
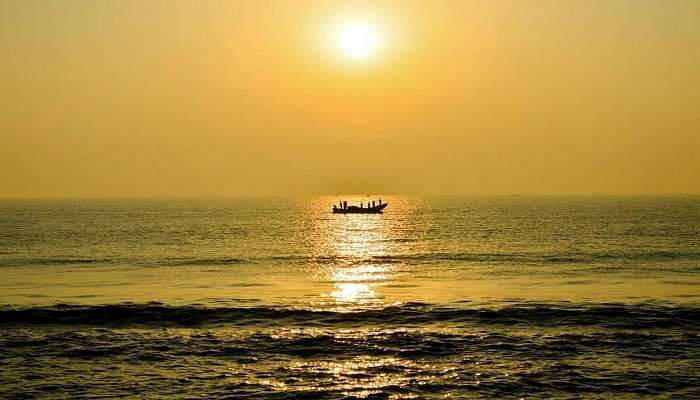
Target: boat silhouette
[345,209]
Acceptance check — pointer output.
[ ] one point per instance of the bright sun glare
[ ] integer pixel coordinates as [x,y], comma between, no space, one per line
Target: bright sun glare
[357,40]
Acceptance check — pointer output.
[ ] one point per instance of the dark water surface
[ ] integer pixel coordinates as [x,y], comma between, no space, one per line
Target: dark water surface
[502,297]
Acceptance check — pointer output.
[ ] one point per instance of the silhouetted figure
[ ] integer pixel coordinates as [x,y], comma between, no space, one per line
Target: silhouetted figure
[372,203]
[345,204]
[361,206]
[380,202]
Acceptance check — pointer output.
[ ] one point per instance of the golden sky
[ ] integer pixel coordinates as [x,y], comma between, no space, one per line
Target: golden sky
[202,98]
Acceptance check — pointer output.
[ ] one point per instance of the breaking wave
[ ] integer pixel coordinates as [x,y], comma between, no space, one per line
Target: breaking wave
[646,315]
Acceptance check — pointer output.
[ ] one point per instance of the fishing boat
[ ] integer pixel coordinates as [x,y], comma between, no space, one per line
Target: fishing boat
[345,209]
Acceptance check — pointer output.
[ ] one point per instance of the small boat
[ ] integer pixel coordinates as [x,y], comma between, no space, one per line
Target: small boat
[360,210]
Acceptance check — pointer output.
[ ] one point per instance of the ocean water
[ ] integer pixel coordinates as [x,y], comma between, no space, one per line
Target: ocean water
[259,298]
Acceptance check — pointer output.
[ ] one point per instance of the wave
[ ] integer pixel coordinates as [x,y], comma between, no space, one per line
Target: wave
[412,350]
[412,362]
[201,261]
[16,262]
[547,258]
[532,258]
[502,257]
[174,262]
[644,315]
[410,344]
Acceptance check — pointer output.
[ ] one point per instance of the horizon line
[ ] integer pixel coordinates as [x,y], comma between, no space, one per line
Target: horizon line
[297,195]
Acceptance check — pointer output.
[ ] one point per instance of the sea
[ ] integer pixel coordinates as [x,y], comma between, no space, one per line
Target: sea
[501,297]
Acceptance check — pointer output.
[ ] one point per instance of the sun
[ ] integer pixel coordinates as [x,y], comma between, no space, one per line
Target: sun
[357,40]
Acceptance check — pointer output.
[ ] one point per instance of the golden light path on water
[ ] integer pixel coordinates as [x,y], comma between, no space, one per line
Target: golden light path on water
[356,261]
[357,239]
[360,246]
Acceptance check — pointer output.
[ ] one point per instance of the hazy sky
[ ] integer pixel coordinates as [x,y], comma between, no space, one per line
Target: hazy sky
[201,98]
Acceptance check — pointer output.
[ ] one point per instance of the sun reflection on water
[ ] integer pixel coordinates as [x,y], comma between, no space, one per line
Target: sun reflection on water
[358,293]
[359,246]
[355,284]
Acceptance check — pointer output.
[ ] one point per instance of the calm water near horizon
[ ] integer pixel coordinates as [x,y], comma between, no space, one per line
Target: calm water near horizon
[462,297]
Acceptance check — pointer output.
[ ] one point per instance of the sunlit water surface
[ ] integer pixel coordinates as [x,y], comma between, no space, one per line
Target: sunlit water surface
[280,298]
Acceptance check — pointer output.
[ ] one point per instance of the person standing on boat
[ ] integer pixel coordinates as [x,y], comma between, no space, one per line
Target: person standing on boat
[372,203]
[380,201]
